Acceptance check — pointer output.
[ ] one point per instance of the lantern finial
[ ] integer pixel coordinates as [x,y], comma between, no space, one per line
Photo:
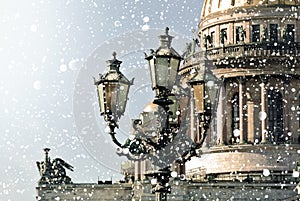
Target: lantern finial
[114,54]
[114,64]
[167,31]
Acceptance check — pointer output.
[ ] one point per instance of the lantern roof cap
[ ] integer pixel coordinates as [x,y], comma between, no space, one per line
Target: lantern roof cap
[114,64]
[165,45]
[114,74]
[164,48]
[166,39]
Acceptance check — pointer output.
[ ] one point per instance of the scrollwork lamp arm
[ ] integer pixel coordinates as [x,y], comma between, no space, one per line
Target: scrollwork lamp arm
[133,149]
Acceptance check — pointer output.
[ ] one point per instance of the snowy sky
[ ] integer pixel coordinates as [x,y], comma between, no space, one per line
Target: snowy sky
[49,51]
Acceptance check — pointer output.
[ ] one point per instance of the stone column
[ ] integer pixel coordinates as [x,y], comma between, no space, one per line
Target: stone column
[241,110]
[143,169]
[263,111]
[137,170]
[250,121]
[248,34]
[230,34]
[217,36]
[192,116]
[228,122]
[219,123]
[287,113]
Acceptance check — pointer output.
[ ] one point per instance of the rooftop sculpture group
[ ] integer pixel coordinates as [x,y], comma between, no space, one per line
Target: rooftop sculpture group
[53,172]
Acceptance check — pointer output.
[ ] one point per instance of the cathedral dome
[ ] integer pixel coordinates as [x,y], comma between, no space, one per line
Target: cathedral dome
[215,6]
[152,117]
[151,107]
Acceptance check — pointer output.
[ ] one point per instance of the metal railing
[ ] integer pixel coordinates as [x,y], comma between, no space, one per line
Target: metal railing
[254,50]
[267,49]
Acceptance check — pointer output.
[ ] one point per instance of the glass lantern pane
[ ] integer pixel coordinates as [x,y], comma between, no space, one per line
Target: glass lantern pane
[111,97]
[102,102]
[122,97]
[212,91]
[173,69]
[152,72]
[199,97]
[162,69]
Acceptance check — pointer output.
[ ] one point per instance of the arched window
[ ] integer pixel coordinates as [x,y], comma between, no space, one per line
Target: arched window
[235,118]
[275,116]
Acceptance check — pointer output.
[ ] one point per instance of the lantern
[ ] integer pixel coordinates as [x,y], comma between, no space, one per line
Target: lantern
[205,90]
[164,64]
[113,88]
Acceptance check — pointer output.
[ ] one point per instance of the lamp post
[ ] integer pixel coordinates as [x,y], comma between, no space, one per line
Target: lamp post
[113,90]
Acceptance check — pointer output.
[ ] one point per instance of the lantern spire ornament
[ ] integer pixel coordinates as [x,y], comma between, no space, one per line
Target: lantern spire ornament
[114,64]
[166,40]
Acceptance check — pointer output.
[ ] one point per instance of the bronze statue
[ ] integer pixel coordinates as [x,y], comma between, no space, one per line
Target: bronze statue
[206,39]
[242,33]
[195,41]
[190,47]
[223,36]
[53,172]
[187,50]
[264,34]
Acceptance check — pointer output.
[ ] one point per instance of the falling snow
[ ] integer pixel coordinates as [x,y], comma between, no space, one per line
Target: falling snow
[50,51]
[44,47]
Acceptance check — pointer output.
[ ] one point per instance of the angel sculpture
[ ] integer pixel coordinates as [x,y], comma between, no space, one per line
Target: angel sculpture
[59,172]
[53,172]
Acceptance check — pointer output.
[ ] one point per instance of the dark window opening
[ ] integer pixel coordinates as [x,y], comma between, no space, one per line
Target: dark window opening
[289,34]
[212,38]
[237,36]
[255,33]
[235,118]
[275,116]
[264,34]
[273,32]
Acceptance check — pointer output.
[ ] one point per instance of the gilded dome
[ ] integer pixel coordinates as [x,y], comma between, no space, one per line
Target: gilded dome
[214,6]
[151,107]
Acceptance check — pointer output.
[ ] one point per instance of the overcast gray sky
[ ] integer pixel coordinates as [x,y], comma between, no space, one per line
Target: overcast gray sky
[47,53]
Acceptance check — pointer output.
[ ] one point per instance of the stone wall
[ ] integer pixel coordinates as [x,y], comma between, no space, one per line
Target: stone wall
[181,191]
[91,192]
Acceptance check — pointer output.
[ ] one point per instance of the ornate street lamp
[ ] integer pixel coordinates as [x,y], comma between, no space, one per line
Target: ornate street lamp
[113,90]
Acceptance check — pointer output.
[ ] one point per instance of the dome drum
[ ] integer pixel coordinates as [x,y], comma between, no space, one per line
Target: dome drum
[254,49]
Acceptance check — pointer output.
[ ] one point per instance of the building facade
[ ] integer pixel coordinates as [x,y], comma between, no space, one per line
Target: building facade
[254,50]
